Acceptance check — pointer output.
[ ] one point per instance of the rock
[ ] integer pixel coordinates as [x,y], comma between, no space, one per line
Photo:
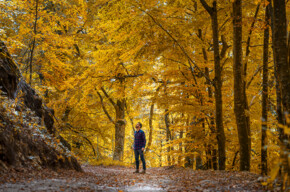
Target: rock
[21,144]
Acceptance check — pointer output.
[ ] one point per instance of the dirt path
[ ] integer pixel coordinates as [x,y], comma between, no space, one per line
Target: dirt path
[116,179]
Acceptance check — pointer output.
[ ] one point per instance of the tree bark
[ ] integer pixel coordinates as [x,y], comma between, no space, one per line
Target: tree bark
[265,94]
[119,122]
[281,54]
[168,135]
[150,126]
[211,149]
[119,130]
[282,76]
[180,148]
[151,119]
[218,85]
[239,99]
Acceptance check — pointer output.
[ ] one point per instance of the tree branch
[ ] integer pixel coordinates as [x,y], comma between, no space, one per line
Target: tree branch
[71,128]
[178,44]
[110,99]
[104,109]
[228,19]
[33,43]
[256,73]
[125,68]
[249,39]
[207,7]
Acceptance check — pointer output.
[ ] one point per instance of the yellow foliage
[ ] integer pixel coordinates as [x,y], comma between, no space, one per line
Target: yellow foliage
[130,49]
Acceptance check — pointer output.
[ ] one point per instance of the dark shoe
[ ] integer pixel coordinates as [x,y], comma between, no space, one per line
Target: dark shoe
[137,171]
[143,172]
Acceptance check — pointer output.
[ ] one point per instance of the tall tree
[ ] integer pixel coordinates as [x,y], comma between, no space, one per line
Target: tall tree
[282,74]
[218,85]
[119,123]
[281,55]
[265,93]
[239,99]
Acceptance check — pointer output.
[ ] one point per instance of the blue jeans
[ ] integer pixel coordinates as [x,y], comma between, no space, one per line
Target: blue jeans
[139,152]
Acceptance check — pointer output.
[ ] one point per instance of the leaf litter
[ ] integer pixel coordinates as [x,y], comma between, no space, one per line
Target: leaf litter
[122,179]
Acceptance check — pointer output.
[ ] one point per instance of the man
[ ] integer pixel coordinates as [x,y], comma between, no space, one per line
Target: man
[139,146]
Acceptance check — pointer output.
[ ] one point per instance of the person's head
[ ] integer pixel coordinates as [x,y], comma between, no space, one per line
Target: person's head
[138,126]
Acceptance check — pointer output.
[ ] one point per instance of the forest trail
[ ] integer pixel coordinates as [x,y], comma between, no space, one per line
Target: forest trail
[121,179]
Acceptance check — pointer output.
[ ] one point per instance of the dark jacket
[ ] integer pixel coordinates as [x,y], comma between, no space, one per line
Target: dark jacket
[139,139]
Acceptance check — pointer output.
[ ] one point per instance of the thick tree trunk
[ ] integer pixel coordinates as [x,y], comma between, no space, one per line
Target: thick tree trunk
[265,94]
[282,76]
[239,99]
[119,122]
[281,54]
[120,125]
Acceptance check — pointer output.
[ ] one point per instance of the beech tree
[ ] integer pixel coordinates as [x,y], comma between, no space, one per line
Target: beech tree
[239,96]
[192,77]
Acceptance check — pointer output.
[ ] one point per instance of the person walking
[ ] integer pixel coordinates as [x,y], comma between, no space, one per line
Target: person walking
[139,146]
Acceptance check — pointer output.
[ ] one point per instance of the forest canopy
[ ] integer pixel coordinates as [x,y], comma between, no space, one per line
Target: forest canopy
[208,79]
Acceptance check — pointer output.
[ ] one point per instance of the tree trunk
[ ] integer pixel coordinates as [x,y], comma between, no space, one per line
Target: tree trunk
[150,126]
[218,93]
[168,135]
[239,99]
[189,149]
[180,148]
[265,94]
[218,85]
[282,75]
[198,164]
[281,51]
[120,125]
[160,154]
[212,152]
